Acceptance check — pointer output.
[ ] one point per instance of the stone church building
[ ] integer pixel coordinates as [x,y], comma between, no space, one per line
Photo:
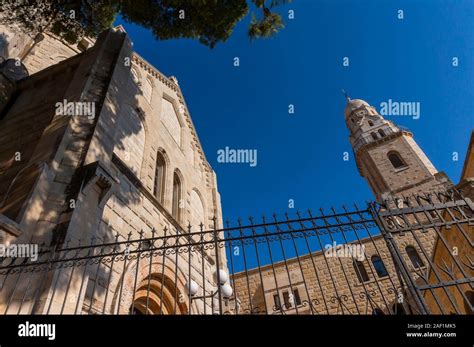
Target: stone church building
[98,143]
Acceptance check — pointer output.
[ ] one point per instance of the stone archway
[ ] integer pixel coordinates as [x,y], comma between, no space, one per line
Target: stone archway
[155,297]
[159,290]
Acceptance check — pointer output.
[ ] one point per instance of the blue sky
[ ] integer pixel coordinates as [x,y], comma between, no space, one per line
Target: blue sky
[300,156]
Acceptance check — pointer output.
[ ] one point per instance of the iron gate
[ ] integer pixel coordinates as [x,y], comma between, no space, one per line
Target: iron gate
[440,279]
[407,256]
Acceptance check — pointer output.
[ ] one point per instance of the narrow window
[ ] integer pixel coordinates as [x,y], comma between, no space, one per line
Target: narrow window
[379,266]
[160,170]
[382,133]
[396,160]
[176,197]
[286,299]
[276,300]
[360,271]
[414,257]
[374,136]
[296,297]
[371,124]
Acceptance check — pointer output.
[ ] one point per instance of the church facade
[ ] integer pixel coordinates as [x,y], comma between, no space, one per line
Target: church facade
[98,143]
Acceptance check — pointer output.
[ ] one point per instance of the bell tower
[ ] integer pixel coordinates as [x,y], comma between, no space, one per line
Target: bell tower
[387,156]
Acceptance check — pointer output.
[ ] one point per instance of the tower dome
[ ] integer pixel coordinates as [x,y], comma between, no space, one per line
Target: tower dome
[353,105]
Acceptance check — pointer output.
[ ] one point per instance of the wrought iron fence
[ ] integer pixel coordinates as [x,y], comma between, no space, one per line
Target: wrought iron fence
[437,266]
[406,256]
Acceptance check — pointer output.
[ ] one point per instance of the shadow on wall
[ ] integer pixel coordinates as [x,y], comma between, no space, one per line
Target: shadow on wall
[127,129]
[3,47]
[128,133]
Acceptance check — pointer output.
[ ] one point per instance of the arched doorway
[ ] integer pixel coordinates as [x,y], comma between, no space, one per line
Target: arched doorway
[157,288]
[157,294]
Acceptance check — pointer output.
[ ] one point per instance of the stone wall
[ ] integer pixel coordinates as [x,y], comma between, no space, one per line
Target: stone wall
[418,176]
[97,183]
[330,284]
[36,52]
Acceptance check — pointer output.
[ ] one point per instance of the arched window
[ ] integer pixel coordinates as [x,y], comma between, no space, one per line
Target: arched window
[379,266]
[177,193]
[371,123]
[414,257]
[382,133]
[396,160]
[160,171]
[374,136]
[360,271]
